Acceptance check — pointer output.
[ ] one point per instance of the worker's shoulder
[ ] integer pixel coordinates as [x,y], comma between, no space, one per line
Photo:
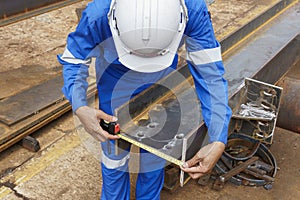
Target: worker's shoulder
[195,5]
[97,9]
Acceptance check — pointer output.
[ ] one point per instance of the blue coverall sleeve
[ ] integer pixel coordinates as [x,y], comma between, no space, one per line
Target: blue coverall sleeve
[205,63]
[75,61]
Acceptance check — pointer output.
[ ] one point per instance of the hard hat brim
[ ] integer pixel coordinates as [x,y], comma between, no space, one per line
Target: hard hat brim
[146,64]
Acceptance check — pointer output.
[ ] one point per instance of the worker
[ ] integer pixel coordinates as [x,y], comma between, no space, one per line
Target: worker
[135,43]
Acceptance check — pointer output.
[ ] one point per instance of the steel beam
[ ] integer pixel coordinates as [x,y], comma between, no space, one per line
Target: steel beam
[13,11]
[264,56]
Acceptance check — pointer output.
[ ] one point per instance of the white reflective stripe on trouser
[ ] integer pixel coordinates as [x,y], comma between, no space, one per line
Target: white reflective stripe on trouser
[70,58]
[113,164]
[205,56]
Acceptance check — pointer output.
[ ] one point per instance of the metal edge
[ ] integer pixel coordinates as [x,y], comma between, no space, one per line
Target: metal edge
[238,35]
[183,158]
[156,91]
[231,39]
[47,115]
[35,11]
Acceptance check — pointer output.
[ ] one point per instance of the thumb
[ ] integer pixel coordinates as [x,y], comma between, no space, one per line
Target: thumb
[193,161]
[102,115]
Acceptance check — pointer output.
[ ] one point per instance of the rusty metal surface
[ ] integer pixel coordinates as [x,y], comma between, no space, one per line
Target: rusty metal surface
[260,173]
[31,101]
[257,110]
[16,80]
[9,135]
[289,115]
[271,72]
[5,128]
[253,24]
[262,55]
[12,11]
[251,58]
[239,149]
[236,170]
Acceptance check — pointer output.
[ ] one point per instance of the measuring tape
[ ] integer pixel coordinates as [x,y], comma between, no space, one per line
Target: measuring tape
[114,128]
[151,150]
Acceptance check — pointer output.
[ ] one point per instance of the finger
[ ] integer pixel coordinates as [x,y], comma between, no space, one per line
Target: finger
[107,135]
[197,169]
[113,137]
[102,115]
[192,169]
[196,175]
[193,161]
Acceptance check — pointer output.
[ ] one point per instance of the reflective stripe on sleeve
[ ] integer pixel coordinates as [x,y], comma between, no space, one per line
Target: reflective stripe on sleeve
[68,57]
[205,56]
[113,164]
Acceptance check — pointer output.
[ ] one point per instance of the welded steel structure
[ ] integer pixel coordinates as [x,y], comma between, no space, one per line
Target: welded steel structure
[265,56]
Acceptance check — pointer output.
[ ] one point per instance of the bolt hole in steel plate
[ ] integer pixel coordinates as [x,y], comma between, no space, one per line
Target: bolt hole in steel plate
[164,124]
[143,122]
[140,134]
[152,125]
[179,136]
[167,146]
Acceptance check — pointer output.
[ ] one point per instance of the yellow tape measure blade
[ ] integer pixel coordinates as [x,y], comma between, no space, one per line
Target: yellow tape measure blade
[152,150]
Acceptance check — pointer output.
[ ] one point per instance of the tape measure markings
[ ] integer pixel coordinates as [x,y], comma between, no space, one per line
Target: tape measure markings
[152,150]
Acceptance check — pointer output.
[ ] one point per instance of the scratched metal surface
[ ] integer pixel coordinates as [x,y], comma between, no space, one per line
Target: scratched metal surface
[249,59]
[31,101]
[17,80]
[163,115]
[165,125]
[259,48]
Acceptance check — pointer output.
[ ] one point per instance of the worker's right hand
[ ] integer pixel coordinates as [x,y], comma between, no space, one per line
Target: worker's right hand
[204,160]
[90,118]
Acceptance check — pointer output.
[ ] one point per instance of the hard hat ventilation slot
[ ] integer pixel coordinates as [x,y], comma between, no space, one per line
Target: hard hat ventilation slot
[115,24]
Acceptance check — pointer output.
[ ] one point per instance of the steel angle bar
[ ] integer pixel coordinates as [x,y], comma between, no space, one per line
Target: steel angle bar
[251,58]
[238,35]
[267,54]
[140,103]
[31,101]
[10,135]
[164,118]
[267,57]
[13,11]
[258,110]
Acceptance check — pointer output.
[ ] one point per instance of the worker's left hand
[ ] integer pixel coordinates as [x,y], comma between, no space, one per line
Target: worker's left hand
[204,160]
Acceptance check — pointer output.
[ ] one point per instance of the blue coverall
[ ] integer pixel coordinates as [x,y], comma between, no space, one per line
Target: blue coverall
[117,84]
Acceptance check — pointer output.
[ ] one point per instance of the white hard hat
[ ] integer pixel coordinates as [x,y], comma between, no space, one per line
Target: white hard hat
[147,33]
